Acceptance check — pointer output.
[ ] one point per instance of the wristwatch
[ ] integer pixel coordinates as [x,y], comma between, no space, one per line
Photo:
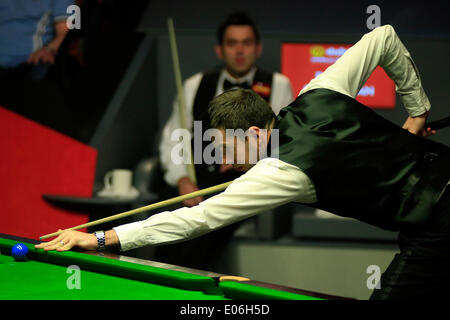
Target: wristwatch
[100,235]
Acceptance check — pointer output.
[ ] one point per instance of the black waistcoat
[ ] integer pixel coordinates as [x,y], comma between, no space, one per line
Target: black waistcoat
[362,165]
[209,175]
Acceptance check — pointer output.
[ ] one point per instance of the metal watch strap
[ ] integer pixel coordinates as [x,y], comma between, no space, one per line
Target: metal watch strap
[100,235]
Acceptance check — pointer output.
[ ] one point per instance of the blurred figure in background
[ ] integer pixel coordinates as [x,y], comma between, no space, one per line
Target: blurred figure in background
[31,33]
[76,71]
[239,47]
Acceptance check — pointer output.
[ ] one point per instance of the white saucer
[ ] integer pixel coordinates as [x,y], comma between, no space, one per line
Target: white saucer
[134,193]
[327,215]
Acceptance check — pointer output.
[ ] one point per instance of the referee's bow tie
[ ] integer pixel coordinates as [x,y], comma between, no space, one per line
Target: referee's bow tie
[227,85]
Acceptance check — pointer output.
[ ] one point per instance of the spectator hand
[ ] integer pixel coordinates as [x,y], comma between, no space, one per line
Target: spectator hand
[186,186]
[44,55]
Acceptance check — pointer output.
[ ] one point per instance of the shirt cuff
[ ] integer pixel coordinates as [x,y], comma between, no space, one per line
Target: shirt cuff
[416,102]
[131,236]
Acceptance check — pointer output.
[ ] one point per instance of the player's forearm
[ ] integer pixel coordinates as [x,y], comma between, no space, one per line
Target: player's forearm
[173,172]
[400,67]
[169,148]
[269,184]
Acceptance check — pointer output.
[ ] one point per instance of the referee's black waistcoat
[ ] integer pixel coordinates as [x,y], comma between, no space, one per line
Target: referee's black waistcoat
[362,165]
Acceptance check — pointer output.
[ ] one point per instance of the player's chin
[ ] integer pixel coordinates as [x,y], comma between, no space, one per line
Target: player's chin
[241,69]
[241,168]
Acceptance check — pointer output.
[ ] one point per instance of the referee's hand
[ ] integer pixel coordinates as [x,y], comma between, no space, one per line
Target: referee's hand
[186,186]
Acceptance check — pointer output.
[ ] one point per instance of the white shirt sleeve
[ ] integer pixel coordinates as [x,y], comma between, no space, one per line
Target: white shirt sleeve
[270,183]
[281,92]
[173,171]
[380,47]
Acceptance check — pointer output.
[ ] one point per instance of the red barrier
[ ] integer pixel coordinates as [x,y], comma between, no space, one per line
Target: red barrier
[36,160]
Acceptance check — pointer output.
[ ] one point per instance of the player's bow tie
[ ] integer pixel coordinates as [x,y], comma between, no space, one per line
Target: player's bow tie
[227,85]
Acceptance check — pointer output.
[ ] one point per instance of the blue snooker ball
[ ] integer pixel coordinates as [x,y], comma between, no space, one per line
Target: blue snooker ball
[19,252]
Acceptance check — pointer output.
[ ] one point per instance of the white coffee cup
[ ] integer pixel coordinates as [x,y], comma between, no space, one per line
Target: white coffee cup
[119,182]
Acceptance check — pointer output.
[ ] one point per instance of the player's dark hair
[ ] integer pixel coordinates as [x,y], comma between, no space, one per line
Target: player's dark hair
[239,109]
[237,19]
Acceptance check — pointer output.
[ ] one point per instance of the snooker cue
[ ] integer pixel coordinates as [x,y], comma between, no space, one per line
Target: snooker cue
[181,101]
[203,192]
[438,124]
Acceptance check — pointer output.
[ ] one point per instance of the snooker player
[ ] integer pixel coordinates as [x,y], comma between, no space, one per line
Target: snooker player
[334,154]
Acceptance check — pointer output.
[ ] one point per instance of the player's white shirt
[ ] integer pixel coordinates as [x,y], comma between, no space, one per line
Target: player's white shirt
[272,182]
[281,96]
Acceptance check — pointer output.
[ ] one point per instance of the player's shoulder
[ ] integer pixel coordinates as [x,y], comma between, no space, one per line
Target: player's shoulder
[281,78]
[385,27]
[386,30]
[194,80]
[195,77]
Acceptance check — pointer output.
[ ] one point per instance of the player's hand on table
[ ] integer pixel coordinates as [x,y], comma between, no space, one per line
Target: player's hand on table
[416,125]
[186,186]
[69,239]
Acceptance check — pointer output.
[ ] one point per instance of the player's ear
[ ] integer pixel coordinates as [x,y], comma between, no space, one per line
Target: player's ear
[254,131]
[259,48]
[219,52]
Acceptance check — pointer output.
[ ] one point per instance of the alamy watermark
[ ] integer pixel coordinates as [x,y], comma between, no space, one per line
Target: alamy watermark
[74,280]
[74,20]
[373,281]
[374,20]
